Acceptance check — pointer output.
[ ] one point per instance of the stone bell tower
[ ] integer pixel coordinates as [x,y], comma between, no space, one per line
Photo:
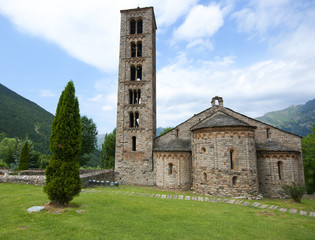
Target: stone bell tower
[136,106]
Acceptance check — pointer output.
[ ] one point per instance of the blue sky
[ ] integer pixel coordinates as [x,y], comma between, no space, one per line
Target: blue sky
[258,55]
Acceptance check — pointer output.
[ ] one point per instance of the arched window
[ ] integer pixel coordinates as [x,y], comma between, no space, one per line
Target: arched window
[176,132]
[139,73]
[203,150]
[134,143]
[132,73]
[135,96]
[280,170]
[139,49]
[132,29]
[232,158]
[234,180]
[204,177]
[131,119]
[170,168]
[133,49]
[139,26]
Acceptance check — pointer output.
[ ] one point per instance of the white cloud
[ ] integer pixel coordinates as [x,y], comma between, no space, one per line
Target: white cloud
[86,30]
[47,93]
[260,16]
[183,90]
[97,98]
[202,21]
[107,108]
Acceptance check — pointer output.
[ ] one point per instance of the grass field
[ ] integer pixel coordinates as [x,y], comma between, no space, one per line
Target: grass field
[109,214]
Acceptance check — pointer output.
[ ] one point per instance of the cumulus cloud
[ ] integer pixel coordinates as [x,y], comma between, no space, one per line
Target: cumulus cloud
[86,30]
[202,21]
[261,16]
[254,90]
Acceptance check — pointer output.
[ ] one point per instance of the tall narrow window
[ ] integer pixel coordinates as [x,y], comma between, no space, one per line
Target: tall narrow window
[139,73]
[135,97]
[170,168]
[139,49]
[131,119]
[231,159]
[130,97]
[268,132]
[132,29]
[139,96]
[234,180]
[204,177]
[132,73]
[134,143]
[133,49]
[176,132]
[280,170]
[139,26]
[137,119]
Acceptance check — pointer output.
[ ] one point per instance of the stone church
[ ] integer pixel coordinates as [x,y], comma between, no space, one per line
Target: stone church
[216,152]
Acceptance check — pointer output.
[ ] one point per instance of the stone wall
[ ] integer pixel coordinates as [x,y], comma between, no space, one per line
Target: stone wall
[271,178]
[179,176]
[38,179]
[217,171]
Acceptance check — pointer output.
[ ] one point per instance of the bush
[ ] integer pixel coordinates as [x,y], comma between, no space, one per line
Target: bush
[295,191]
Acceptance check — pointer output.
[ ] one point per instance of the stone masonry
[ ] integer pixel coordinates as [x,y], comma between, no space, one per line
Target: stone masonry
[216,152]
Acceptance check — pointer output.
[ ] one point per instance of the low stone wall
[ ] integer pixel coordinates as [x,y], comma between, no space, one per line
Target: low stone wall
[102,175]
[39,179]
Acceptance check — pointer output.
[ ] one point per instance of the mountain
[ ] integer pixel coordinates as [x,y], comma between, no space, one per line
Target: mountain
[20,117]
[297,119]
[100,140]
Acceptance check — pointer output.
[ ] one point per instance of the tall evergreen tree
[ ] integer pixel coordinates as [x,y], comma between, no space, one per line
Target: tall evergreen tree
[63,181]
[24,156]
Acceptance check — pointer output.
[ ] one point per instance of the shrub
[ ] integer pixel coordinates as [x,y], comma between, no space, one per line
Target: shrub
[295,191]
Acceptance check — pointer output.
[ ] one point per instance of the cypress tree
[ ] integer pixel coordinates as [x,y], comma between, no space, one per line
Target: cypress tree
[63,181]
[24,156]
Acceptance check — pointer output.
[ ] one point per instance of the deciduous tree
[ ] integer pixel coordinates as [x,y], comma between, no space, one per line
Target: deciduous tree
[108,151]
[89,140]
[308,147]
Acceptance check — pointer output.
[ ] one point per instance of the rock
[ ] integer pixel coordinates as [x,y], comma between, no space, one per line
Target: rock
[35,209]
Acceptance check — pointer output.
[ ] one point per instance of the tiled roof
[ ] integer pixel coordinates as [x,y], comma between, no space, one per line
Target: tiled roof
[273,146]
[174,145]
[220,120]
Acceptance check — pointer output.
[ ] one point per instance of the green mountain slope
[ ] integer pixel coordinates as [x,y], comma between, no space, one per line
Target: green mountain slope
[296,119]
[20,117]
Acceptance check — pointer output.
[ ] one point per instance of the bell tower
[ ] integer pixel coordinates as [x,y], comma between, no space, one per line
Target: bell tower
[136,105]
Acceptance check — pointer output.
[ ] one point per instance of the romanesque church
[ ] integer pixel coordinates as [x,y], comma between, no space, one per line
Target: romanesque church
[216,152]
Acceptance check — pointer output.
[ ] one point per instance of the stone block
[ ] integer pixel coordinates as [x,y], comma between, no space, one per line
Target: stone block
[263,206]
[312,214]
[303,213]
[163,196]
[181,197]
[293,210]
[187,198]
[246,204]
[206,199]
[35,209]
[255,204]
[231,201]
[200,199]
[283,209]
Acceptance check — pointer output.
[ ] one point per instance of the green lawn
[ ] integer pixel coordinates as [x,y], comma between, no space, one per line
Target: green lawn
[112,215]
